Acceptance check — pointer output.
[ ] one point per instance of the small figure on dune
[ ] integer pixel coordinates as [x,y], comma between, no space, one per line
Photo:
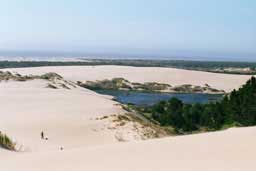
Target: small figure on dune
[42,135]
[61,148]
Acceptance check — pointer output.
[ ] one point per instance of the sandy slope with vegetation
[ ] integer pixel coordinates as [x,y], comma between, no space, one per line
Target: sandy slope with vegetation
[67,117]
[172,76]
[86,125]
[70,116]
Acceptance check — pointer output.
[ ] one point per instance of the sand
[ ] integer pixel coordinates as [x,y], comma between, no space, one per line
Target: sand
[66,116]
[69,120]
[231,150]
[171,76]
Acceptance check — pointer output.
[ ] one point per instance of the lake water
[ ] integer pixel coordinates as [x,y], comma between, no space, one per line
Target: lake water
[142,98]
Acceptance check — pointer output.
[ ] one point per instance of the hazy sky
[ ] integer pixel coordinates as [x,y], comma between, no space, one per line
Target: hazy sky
[205,28]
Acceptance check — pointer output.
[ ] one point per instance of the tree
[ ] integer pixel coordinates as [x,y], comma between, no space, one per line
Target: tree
[174,112]
[237,108]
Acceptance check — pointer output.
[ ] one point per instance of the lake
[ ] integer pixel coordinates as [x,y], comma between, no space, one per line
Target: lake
[144,98]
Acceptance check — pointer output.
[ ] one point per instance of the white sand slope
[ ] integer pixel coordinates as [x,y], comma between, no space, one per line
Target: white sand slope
[170,76]
[231,150]
[66,116]
[69,118]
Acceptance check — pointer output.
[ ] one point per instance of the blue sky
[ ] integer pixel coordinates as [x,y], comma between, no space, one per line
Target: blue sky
[209,29]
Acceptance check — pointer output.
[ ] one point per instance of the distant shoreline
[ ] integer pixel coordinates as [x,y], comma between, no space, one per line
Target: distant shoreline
[82,57]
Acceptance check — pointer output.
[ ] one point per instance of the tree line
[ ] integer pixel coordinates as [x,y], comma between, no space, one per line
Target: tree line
[238,108]
[209,66]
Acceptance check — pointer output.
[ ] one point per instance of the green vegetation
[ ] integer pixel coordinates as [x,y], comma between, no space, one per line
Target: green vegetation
[114,84]
[24,64]
[6,75]
[123,84]
[51,76]
[210,66]
[6,142]
[184,64]
[236,109]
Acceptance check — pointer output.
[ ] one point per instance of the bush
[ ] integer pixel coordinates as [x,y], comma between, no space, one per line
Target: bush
[6,142]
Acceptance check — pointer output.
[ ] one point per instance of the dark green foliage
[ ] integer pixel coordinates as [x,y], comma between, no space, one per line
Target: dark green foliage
[6,142]
[238,108]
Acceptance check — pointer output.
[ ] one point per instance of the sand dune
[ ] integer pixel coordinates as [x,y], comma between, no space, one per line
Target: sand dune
[69,118]
[170,76]
[66,116]
[231,150]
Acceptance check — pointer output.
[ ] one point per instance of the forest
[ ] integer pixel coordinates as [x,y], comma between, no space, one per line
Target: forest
[235,109]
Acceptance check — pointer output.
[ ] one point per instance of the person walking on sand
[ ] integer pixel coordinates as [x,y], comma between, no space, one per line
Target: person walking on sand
[42,135]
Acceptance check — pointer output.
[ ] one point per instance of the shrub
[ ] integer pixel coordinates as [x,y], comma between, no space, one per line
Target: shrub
[6,142]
